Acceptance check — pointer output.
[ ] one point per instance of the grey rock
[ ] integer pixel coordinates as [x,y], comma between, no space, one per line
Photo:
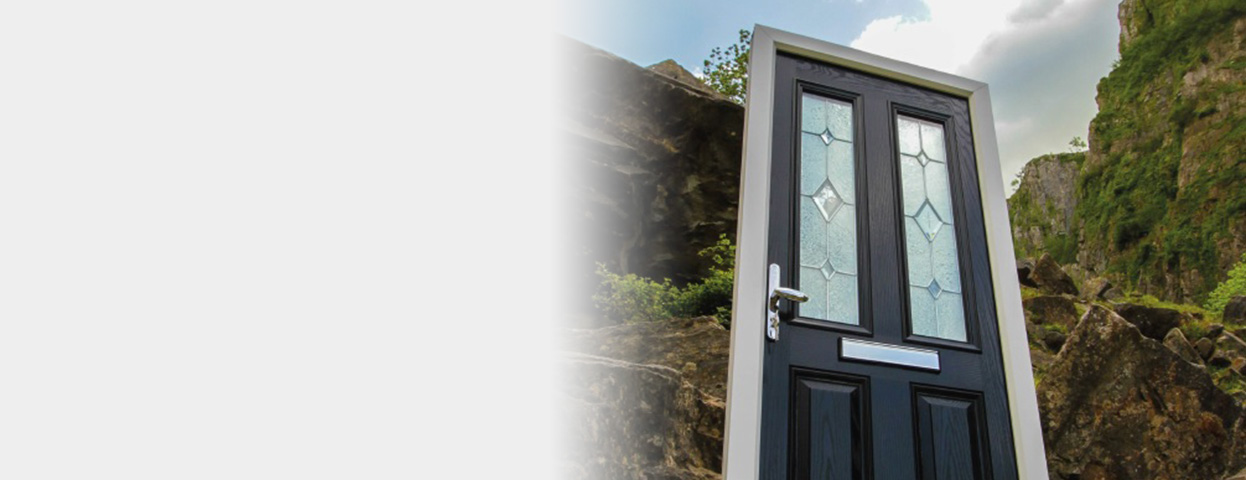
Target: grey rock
[1024,268]
[1222,359]
[1051,309]
[1116,404]
[1205,348]
[1176,341]
[1054,341]
[1152,321]
[1044,203]
[1050,278]
[1229,342]
[1094,287]
[1235,310]
[1113,293]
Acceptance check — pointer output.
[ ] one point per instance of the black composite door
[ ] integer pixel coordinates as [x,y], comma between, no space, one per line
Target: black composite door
[892,369]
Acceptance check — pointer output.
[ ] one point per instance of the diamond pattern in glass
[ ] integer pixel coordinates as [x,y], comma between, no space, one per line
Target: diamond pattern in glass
[935,302]
[827,246]
[827,200]
[928,220]
[828,270]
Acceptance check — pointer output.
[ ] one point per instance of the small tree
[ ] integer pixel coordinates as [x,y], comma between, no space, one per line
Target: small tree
[1077,145]
[1231,287]
[727,70]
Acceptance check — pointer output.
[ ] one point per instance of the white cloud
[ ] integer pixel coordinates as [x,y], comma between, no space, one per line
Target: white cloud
[945,40]
[1042,59]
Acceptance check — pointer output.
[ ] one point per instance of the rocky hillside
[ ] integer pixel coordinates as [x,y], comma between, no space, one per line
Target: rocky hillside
[653,160]
[1157,203]
[1126,390]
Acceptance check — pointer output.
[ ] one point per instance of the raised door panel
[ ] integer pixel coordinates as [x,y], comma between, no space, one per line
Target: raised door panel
[831,431]
[950,435]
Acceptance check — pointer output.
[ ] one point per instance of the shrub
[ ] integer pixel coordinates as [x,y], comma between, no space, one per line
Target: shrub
[1231,287]
[631,298]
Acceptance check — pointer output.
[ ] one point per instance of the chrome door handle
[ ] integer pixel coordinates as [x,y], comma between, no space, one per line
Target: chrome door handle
[772,303]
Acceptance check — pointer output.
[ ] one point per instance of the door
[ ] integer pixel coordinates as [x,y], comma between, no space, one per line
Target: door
[892,369]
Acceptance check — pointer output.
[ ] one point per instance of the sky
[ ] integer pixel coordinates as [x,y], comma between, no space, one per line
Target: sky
[1041,58]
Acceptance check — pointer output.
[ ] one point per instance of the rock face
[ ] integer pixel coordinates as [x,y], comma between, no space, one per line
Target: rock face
[1042,206]
[1118,405]
[633,421]
[646,401]
[653,166]
[696,347]
[1156,201]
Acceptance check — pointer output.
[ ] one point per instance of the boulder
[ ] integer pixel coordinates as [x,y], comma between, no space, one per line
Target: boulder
[1176,341]
[1154,322]
[1235,310]
[697,347]
[1113,293]
[635,421]
[1214,330]
[1222,359]
[1054,341]
[1050,278]
[1024,268]
[1230,343]
[1051,309]
[1205,348]
[1044,338]
[1115,404]
[1094,287]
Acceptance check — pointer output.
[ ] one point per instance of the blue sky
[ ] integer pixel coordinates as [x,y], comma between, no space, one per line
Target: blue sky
[649,31]
[1042,58]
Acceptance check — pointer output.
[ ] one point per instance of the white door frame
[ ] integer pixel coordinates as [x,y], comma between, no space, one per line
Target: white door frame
[742,448]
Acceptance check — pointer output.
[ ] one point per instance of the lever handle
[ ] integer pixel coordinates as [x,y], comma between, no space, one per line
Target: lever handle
[778,293]
[786,293]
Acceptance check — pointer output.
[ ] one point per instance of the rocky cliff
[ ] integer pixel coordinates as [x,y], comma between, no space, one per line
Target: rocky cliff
[1158,203]
[1042,208]
[653,164]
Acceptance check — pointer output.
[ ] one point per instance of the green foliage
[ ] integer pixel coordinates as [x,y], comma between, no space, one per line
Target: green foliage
[1231,287]
[1077,145]
[631,298]
[727,70]
[1129,202]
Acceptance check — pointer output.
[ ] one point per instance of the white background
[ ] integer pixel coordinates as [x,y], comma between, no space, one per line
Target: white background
[274,239]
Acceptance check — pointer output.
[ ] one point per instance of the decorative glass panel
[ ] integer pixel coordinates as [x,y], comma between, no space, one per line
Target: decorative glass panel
[930,240]
[828,212]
